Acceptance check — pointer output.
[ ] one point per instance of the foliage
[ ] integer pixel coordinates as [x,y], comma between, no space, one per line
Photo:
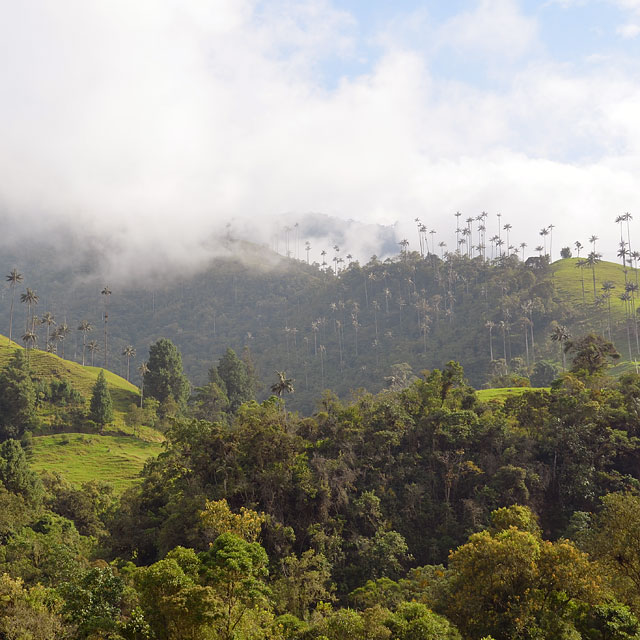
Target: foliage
[101,407]
[165,380]
[219,519]
[17,398]
[237,383]
[592,354]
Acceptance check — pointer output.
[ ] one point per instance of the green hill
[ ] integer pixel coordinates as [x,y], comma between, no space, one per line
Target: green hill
[48,366]
[569,277]
[116,456]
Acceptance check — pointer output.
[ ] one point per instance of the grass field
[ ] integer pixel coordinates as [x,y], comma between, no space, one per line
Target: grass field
[485,395]
[80,457]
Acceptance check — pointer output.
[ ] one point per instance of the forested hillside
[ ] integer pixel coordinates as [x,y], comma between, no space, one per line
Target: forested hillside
[342,332]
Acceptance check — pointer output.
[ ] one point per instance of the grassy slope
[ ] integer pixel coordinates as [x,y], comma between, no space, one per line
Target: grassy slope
[80,457]
[567,280]
[116,459]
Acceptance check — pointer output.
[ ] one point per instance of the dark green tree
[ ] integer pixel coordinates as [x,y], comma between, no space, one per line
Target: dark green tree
[164,379]
[101,407]
[233,372]
[591,353]
[15,474]
[17,398]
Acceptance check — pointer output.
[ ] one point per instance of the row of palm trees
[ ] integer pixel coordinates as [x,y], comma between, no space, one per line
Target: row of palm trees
[471,242]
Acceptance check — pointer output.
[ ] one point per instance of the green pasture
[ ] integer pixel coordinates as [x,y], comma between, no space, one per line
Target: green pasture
[81,457]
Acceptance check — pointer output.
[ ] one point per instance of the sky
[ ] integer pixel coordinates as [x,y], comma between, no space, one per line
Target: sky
[152,124]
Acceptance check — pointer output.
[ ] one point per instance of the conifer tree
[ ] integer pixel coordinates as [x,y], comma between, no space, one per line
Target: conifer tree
[101,408]
[17,398]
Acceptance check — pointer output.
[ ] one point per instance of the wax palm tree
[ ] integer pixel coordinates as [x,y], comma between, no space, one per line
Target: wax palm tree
[376,307]
[129,352]
[30,298]
[106,292]
[607,287]
[581,264]
[544,232]
[30,339]
[626,298]
[49,320]
[525,324]
[561,335]
[592,260]
[523,246]
[527,308]
[593,240]
[143,369]
[85,326]
[323,351]
[578,245]
[424,330]
[627,217]
[507,227]
[282,385]
[622,253]
[632,288]
[14,279]
[356,326]
[93,346]
[61,334]
[491,326]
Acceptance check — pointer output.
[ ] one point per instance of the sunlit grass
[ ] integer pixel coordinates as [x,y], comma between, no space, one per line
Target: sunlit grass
[81,457]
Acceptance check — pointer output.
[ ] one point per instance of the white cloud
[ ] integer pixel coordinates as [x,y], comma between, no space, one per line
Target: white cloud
[151,124]
[496,27]
[629,30]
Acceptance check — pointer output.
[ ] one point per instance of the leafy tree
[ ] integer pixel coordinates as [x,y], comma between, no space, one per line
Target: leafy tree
[210,402]
[592,354]
[175,606]
[304,581]
[164,379]
[413,621]
[218,518]
[17,398]
[93,602]
[15,473]
[512,584]
[543,374]
[29,613]
[615,542]
[565,252]
[233,372]
[236,570]
[101,406]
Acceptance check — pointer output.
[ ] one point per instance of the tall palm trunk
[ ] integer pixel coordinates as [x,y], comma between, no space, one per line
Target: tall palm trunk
[13,295]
